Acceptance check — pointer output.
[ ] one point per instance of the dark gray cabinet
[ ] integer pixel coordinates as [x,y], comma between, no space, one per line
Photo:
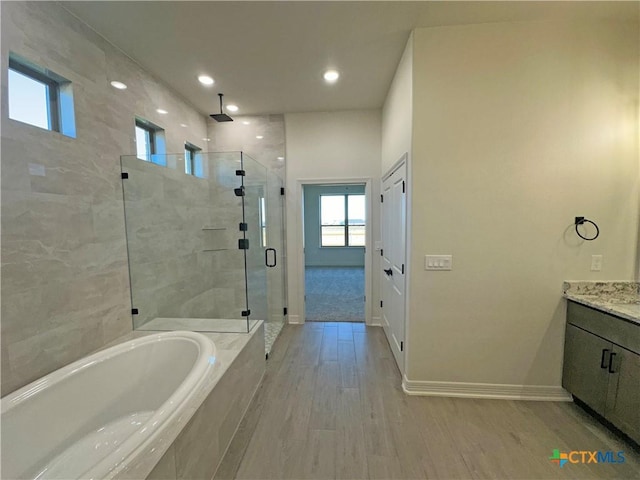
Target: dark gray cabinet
[623,399]
[600,367]
[583,375]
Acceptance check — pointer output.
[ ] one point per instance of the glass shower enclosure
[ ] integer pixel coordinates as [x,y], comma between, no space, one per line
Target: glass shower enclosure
[197,236]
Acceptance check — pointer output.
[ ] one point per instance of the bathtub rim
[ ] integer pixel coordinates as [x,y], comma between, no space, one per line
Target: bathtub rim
[179,407]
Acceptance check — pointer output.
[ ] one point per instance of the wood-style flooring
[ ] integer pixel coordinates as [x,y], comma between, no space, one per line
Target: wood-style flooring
[331,406]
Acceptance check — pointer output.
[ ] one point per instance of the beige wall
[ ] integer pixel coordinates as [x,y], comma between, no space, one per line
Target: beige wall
[397,112]
[326,146]
[65,286]
[638,238]
[518,127]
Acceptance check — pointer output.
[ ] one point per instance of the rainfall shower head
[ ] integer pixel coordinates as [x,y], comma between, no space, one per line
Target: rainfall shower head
[221,117]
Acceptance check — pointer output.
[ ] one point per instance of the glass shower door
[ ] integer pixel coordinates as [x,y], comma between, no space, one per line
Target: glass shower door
[186,269]
[276,266]
[254,236]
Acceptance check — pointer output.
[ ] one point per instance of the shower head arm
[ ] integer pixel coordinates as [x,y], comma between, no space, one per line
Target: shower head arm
[221,117]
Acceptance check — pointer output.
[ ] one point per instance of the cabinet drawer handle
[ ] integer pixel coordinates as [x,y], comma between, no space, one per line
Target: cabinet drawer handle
[611,357]
[604,355]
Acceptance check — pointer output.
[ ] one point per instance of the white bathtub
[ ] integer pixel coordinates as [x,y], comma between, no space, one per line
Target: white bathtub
[112,414]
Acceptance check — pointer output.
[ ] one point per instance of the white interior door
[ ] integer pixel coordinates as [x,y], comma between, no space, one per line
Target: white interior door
[394,223]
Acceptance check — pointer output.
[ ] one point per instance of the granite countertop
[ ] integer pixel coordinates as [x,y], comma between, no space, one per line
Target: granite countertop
[621,299]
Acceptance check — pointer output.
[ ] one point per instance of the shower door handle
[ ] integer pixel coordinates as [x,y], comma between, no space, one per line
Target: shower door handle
[266,257]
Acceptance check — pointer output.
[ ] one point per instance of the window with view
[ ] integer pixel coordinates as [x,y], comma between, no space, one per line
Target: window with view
[262,212]
[145,144]
[40,97]
[192,160]
[342,220]
[150,142]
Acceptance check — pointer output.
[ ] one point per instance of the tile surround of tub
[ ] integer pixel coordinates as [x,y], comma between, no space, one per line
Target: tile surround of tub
[201,445]
[166,467]
[241,366]
[203,325]
[65,286]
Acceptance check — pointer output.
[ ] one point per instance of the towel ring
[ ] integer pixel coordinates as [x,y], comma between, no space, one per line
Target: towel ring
[581,221]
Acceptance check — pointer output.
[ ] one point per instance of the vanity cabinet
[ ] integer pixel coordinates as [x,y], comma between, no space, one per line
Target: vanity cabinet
[602,365]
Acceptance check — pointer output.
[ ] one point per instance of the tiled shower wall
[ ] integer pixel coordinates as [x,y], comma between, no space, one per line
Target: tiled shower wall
[242,133]
[65,286]
[182,234]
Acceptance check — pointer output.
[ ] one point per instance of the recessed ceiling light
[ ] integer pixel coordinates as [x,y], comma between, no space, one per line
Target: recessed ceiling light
[246,122]
[232,108]
[184,125]
[281,159]
[331,76]
[259,137]
[118,85]
[161,111]
[206,139]
[206,80]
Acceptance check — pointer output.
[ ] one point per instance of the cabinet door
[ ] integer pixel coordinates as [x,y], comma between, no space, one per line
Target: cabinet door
[585,372]
[623,399]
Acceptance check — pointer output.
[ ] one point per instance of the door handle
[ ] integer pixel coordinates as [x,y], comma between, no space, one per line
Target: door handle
[266,257]
[604,355]
[389,272]
[612,355]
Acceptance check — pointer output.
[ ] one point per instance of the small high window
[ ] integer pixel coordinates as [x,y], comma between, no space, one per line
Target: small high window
[342,220]
[145,143]
[40,97]
[262,218]
[193,160]
[150,142]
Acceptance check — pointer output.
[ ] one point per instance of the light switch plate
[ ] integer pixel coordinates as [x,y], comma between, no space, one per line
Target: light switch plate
[596,263]
[438,262]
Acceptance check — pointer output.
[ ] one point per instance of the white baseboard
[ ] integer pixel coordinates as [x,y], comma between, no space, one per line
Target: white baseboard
[295,319]
[545,393]
[375,322]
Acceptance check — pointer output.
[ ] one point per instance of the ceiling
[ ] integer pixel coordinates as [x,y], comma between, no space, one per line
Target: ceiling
[268,57]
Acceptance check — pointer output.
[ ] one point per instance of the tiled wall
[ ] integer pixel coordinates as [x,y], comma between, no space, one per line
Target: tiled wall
[65,286]
[182,234]
[242,133]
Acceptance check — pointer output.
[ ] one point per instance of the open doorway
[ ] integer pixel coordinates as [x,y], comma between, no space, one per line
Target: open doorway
[334,252]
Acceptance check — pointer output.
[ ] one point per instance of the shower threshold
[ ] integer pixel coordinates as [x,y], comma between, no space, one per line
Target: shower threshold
[218,325]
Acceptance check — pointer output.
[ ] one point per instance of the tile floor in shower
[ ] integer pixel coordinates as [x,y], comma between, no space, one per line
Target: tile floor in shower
[271,332]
